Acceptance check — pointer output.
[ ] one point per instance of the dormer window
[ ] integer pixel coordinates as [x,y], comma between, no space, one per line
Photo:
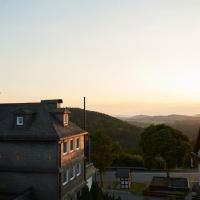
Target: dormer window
[20,121]
[65,119]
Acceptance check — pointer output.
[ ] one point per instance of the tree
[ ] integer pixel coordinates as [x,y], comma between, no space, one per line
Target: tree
[128,160]
[165,143]
[85,194]
[95,194]
[102,152]
[96,191]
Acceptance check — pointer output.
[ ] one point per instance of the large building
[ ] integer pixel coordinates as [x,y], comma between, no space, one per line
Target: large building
[41,152]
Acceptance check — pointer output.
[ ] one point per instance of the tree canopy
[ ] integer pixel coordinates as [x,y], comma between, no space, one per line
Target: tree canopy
[161,143]
[104,151]
[101,150]
[95,193]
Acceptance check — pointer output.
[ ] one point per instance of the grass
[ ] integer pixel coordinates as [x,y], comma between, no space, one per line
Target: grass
[138,188]
[110,185]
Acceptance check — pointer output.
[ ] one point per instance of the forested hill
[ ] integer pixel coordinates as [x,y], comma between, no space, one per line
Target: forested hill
[126,134]
[188,125]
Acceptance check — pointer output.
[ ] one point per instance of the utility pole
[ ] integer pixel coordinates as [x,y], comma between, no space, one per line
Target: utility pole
[84,114]
[87,141]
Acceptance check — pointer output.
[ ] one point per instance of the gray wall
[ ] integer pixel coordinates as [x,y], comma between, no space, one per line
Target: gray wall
[45,186]
[30,164]
[29,156]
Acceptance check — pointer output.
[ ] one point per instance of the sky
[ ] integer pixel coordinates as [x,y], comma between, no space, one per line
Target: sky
[127,57]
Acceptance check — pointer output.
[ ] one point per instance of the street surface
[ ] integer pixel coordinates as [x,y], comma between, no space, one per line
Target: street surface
[129,196]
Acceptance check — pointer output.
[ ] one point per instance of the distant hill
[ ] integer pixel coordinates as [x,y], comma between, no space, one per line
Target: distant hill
[189,125]
[120,131]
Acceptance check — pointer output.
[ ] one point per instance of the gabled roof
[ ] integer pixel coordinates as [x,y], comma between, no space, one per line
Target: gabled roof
[123,173]
[41,123]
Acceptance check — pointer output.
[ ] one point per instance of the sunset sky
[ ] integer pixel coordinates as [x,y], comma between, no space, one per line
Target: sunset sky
[127,57]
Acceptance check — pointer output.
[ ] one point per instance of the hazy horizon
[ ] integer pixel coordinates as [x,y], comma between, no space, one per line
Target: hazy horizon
[127,57]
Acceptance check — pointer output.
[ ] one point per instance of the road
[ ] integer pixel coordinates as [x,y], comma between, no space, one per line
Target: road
[124,195]
[146,177]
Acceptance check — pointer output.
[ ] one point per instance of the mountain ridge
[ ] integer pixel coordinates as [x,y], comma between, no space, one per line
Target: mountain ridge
[187,124]
[127,135]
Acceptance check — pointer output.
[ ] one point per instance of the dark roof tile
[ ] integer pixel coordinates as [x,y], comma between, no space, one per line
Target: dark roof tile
[41,125]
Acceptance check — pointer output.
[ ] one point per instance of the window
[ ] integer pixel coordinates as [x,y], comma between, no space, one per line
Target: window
[78,169]
[77,143]
[199,152]
[71,145]
[72,172]
[65,119]
[20,121]
[65,147]
[66,177]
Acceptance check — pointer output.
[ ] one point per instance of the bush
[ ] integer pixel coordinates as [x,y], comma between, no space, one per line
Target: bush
[128,160]
[85,194]
[95,194]
[96,191]
[156,163]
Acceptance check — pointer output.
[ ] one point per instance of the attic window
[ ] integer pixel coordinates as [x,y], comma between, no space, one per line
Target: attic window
[65,119]
[20,121]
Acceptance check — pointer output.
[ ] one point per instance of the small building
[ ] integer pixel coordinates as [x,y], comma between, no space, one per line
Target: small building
[124,177]
[169,184]
[176,188]
[41,151]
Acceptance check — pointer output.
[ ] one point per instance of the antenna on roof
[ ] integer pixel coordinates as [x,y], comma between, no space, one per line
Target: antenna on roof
[84,114]
[87,140]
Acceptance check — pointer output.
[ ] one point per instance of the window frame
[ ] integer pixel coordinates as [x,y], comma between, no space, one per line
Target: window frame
[78,166]
[71,142]
[66,177]
[65,119]
[77,139]
[73,171]
[65,147]
[19,120]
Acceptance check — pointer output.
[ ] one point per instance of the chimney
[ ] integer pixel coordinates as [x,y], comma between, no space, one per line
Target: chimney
[52,103]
